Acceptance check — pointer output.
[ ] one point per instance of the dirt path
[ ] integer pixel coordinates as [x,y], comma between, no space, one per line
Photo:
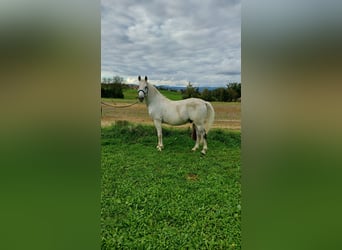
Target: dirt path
[227,115]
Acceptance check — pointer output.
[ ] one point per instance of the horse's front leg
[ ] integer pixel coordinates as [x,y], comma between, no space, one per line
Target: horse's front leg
[157,124]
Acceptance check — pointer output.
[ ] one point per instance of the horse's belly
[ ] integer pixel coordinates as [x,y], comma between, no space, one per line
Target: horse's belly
[174,121]
[173,117]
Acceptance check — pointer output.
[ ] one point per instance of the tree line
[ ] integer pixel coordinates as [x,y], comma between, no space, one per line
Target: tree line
[232,93]
[113,88]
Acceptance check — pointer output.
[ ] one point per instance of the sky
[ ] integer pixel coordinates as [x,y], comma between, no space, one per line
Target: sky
[172,42]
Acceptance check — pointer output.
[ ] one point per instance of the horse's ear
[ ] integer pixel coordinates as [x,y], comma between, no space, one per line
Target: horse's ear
[139,78]
[145,78]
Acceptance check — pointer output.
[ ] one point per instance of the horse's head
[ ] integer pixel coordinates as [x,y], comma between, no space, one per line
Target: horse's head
[143,88]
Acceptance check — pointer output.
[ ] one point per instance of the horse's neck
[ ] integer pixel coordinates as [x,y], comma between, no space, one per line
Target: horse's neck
[154,96]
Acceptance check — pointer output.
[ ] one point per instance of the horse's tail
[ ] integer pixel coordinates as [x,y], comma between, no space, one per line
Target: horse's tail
[210,116]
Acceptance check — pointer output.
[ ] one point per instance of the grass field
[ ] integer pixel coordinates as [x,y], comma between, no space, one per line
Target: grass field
[131,94]
[174,199]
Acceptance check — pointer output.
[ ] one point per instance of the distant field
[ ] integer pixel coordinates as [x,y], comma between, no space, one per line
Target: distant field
[227,114]
[174,199]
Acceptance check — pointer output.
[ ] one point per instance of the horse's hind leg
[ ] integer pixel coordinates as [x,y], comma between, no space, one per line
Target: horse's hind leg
[202,138]
[205,146]
[194,127]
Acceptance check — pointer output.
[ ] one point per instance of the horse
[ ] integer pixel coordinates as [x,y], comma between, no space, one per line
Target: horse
[162,110]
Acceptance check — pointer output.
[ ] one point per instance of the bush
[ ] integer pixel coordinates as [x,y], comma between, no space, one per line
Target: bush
[112,88]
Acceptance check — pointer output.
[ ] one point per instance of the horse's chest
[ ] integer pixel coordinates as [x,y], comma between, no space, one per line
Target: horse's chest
[154,112]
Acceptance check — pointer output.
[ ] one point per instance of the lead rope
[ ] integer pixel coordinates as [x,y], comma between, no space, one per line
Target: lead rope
[115,106]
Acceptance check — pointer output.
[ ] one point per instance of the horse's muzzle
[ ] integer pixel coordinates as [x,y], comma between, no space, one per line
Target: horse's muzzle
[141,98]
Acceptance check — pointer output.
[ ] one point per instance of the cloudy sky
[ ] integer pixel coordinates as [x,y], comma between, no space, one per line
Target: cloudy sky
[172,42]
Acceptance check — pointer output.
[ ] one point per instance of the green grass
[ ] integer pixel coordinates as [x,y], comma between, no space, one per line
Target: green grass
[172,95]
[174,199]
[132,94]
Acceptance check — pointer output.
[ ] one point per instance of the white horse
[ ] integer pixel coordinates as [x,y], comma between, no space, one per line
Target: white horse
[163,110]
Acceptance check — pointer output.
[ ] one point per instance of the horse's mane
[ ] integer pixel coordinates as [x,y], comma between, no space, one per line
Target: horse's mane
[155,91]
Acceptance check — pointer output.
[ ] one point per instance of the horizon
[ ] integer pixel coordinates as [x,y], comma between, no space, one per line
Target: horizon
[183,86]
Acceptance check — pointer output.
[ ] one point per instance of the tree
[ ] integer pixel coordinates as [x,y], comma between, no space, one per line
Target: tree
[117,85]
[234,91]
[190,91]
[105,80]
[207,95]
[118,80]
[220,95]
[112,90]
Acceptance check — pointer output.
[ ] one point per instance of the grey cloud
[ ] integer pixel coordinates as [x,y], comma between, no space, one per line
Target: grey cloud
[232,73]
[178,40]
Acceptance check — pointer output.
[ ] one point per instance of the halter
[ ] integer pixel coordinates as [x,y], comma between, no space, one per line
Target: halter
[144,91]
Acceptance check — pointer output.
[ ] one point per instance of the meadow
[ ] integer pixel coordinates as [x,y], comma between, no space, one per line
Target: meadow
[174,199]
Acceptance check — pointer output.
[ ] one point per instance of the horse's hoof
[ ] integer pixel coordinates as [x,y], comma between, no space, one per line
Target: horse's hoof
[203,152]
[193,149]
